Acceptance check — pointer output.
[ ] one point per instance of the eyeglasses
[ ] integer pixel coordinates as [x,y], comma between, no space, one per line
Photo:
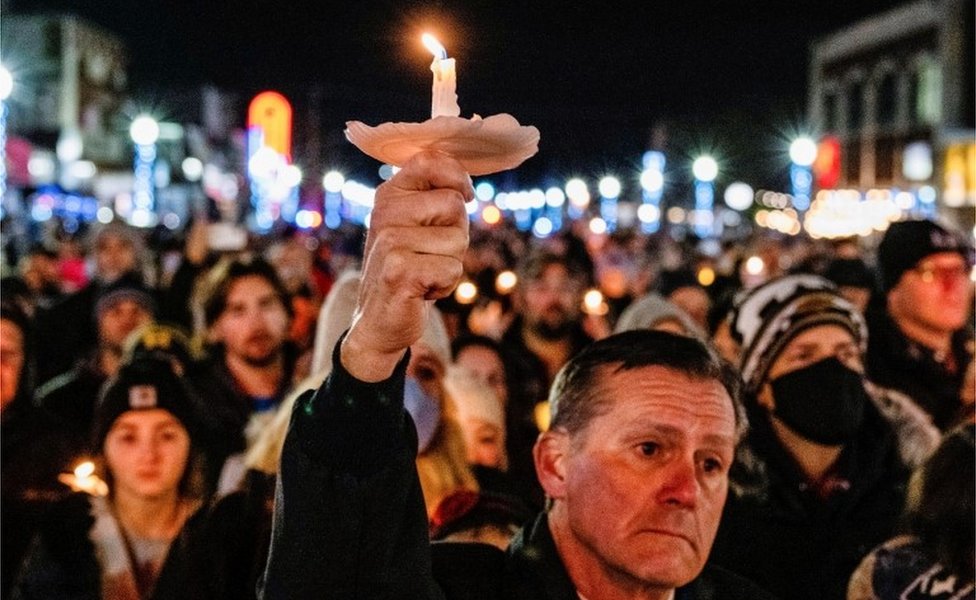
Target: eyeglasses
[929,272]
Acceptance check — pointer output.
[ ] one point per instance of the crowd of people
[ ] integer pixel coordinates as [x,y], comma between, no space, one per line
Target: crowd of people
[299,418]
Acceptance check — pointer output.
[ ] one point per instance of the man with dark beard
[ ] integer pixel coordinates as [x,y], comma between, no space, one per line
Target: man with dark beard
[546,333]
[247,314]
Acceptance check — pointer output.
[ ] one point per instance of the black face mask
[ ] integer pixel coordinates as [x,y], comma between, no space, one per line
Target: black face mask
[823,402]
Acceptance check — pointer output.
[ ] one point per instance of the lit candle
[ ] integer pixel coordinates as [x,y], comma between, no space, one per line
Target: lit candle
[444,94]
[84,480]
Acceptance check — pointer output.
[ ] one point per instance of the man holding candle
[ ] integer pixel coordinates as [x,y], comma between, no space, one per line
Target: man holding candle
[635,465]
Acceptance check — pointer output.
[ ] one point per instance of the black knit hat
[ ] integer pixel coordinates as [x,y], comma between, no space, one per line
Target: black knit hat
[908,242]
[850,272]
[144,384]
[128,287]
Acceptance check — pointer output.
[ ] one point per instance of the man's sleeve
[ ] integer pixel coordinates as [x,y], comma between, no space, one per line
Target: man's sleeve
[349,518]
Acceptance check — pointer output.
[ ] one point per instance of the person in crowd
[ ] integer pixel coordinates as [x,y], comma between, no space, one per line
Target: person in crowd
[122,308]
[39,270]
[33,450]
[481,356]
[920,341]
[934,555]
[635,464]
[855,281]
[653,311]
[134,542]
[820,480]
[681,288]
[479,517]
[481,417]
[245,315]
[65,331]
[546,332]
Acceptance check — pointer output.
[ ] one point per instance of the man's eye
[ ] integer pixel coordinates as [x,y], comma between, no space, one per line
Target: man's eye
[649,448]
[712,465]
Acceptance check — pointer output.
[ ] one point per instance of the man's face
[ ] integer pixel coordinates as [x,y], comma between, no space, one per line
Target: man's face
[935,296]
[551,302]
[254,324]
[638,493]
[118,320]
[114,257]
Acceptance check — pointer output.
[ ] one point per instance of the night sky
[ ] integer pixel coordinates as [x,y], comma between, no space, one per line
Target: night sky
[594,77]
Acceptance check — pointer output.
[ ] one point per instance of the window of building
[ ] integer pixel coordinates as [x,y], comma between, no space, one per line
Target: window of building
[852,162]
[855,106]
[831,122]
[887,100]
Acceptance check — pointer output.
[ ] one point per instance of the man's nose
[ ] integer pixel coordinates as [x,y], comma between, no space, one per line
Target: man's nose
[680,485]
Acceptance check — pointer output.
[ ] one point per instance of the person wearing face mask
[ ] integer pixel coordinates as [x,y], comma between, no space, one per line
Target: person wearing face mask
[820,479]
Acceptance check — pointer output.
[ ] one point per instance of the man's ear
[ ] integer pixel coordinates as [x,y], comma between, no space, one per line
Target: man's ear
[551,453]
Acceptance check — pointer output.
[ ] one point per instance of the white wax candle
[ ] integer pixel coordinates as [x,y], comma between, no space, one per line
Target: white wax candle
[444,93]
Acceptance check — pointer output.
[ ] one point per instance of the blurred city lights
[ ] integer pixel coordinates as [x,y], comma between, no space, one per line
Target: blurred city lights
[192,168]
[648,213]
[609,187]
[144,130]
[652,180]
[484,191]
[555,197]
[69,145]
[676,215]
[803,151]
[491,215]
[916,162]
[6,83]
[105,215]
[577,192]
[598,226]
[739,196]
[705,168]
[333,181]
[542,227]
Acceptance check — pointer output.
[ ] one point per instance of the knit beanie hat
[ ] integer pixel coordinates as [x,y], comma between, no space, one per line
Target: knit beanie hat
[144,384]
[768,317]
[905,243]
[128,287]
[650,310]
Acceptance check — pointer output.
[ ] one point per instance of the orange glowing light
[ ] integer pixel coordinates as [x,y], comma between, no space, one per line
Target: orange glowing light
[271,112]
[491,215]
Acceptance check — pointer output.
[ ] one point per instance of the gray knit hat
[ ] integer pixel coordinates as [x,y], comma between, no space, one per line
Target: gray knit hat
[769,316]
[650,310]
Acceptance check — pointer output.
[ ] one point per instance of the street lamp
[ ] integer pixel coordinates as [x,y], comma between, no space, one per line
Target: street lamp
[652,187]
[803,153]
[705,170]
[609,188]
[144,132]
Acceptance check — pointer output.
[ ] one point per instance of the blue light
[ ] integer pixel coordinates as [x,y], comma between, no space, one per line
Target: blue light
[542,227]
[484,191]
[704,199]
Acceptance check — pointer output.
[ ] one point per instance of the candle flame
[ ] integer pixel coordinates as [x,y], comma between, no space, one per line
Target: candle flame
[435,48]
[85,469]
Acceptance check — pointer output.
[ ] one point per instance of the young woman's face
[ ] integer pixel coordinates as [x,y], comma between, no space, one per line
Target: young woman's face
[147,452]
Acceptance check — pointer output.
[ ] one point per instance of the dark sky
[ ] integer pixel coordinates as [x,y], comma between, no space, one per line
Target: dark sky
[724,76]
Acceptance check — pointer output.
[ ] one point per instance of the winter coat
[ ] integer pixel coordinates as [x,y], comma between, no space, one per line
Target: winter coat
[67,557]
[779,532]
[350,520]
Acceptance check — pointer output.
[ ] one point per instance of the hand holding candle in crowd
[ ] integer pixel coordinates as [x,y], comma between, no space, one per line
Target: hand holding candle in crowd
[83,479]
[443,97]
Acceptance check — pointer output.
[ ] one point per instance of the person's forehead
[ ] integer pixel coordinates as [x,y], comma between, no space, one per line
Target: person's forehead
[942,259]
[826,334]
[153,417]
[658,394]
[125,304]
[250,286]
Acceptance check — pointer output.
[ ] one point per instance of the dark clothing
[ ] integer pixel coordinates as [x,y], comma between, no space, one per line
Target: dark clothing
[904,569]
[34,451]
[528,382]
[800,540]
[71,398]
[895,362]
[350,520]
[63,563]
[238,534]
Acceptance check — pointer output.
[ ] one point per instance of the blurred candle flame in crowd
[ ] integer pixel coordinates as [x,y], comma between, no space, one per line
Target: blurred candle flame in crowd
[593,303]
[83,479]
[505,282]
[466,292]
